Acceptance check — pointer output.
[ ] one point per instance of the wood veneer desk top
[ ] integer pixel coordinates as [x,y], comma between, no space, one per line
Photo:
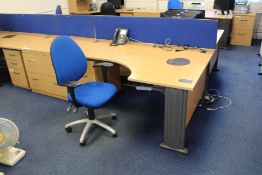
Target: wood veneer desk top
[213,15]
[208,14]
[147,64]
[85,12]
[138,10]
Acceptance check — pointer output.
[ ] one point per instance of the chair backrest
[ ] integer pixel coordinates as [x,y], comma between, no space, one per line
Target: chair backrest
[174,4]
[68,59]
[107,8]
[58,10]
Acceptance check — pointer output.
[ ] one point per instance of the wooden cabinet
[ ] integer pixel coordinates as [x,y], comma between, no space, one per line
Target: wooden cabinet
[42,78]
[41,74]
[242,29]
[16,68]
[78,5]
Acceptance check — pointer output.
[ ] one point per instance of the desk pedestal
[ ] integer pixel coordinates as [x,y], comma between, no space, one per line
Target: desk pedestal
[175,120]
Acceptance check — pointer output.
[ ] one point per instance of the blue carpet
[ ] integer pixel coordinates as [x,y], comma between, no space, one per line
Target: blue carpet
[227,141]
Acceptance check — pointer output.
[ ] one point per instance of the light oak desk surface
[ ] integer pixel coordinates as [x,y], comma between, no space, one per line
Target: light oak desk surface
[155,13]
[146,63]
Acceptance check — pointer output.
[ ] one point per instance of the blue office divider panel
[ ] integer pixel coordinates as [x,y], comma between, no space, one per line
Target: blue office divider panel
[4,22]
[49,24]
[75,25]
[45,24]
[191,32]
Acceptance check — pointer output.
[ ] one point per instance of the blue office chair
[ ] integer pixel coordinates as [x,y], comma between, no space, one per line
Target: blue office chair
[58,10]
[174,4]
[70,65]
[108,8]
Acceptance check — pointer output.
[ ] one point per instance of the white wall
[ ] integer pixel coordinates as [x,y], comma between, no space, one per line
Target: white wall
[32,6]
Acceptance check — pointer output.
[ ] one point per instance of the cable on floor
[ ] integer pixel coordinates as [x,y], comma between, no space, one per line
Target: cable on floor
[212,97]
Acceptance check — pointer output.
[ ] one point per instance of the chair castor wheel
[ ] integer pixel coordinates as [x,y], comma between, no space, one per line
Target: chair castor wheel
[115,135]
[69,129]
[260,73]
[83,143]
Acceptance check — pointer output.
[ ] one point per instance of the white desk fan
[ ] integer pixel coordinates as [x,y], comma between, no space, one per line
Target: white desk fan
[9,135]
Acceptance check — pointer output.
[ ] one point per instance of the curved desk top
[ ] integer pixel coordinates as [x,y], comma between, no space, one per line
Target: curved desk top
[146,63]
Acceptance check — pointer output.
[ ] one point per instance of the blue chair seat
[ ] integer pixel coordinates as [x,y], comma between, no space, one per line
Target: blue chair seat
[94,94]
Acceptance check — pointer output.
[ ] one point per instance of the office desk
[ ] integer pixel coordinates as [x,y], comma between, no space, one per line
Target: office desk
[183,86]
[125,12]
[85,12]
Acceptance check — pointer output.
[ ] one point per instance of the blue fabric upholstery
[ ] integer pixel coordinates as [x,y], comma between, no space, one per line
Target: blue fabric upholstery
[70,64]
[68,60]
[95,94]
[174,4]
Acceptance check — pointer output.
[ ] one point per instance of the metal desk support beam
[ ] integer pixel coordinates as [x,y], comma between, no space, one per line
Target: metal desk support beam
[175,120]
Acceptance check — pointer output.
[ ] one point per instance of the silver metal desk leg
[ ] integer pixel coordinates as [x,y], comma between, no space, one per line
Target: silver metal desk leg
[175,120]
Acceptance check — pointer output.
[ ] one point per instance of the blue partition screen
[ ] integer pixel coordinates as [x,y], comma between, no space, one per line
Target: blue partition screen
[49,24]
[31,23]
[191,32]
[75,25]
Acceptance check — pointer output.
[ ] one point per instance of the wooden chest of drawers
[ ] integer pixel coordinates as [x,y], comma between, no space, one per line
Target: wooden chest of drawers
[242,29]
[42,78]
[16,68]
[41,74]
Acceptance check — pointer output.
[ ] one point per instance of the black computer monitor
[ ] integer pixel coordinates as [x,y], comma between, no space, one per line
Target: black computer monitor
[184,13]
[231,5]
[116,3]
[224,5]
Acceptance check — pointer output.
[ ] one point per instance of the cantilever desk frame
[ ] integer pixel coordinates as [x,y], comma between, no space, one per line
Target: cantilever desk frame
[135,57]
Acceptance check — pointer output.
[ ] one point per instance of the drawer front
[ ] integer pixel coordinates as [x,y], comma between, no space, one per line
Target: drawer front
[12,64]
[88,78]
[38,63]
[46,84]
[243,22]
[12,55]
[90,69]
[241,37]
[18,77]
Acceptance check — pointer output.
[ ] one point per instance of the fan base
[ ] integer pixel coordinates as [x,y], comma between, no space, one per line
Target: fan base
[12,156]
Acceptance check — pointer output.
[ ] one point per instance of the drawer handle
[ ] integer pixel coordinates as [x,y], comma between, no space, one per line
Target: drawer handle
[244,20]
[32,61]
[241,34]
[11,55]
[36,79]
[14,63]
[17,73]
